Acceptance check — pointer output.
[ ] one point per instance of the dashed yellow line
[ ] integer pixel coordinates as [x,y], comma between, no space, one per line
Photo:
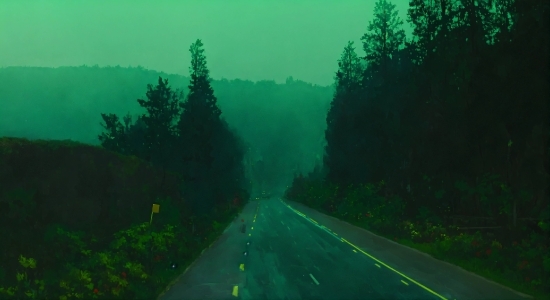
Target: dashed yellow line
[241,267]
[404,282]
[235,292]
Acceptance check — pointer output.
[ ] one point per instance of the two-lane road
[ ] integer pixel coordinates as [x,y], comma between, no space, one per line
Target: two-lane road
[293,252]
[293,257]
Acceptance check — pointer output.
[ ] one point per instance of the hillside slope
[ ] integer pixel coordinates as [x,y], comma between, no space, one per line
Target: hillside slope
[45,184]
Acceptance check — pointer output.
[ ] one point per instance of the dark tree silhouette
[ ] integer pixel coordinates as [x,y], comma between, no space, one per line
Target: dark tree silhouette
[461,108]
[344,146]
[211,154]
[162,105]
[114,138]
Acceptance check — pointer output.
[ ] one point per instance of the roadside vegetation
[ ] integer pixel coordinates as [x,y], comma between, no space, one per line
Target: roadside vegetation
[136,263]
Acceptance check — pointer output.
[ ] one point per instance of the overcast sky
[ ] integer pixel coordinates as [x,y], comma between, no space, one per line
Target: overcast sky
[246,39]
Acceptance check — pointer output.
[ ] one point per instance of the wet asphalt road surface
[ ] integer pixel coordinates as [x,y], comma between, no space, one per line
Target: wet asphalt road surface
[285,250]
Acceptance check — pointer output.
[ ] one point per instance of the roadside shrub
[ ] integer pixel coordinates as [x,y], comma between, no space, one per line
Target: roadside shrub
[28,286]
[118,272]
[365,206]
[425,214]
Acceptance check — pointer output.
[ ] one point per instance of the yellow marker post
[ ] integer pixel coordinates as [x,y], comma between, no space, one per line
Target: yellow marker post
[155,210]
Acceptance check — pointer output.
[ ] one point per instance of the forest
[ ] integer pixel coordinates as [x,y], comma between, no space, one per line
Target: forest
[446,135]
[439,142]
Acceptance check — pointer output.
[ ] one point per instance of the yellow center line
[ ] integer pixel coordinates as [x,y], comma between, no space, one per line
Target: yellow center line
[375,259]
[405,276]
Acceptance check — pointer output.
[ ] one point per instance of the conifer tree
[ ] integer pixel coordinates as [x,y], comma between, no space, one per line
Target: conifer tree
[384,37]
[211,154]
[342,136]
[426,23]
[199,119]
[382,43]
[162,105]
[350,71]
[114,138]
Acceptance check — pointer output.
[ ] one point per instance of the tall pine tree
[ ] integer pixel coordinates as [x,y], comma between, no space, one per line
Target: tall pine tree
[384,37]
[344,142]
[198,129]
[381,110]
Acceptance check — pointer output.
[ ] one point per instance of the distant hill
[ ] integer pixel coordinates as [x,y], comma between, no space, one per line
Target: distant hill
[66,102]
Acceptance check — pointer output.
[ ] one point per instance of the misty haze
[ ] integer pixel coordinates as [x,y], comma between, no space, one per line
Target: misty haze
[327,149]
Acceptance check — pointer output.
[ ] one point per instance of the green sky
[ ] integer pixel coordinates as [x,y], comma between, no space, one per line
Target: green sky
[247,39]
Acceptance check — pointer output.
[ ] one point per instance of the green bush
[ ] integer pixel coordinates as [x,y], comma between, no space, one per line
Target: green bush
[425,214]
[118,272]
[363,204]
[28,287]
